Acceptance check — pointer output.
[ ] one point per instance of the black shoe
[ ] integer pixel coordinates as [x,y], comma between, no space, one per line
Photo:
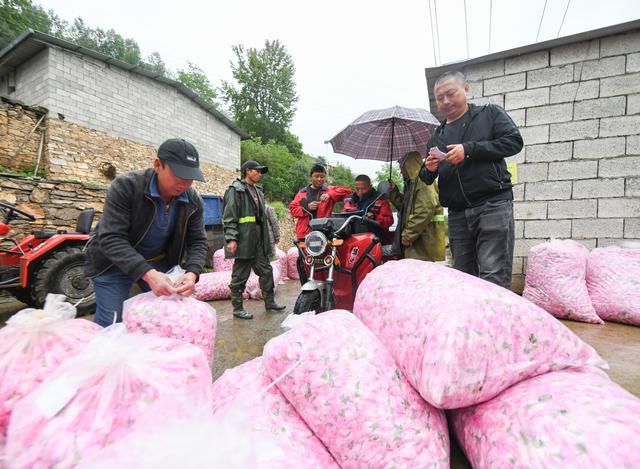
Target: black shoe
[274,306]
[242,314]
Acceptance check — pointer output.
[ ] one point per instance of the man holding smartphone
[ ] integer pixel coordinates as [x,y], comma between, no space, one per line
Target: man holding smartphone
[466,154]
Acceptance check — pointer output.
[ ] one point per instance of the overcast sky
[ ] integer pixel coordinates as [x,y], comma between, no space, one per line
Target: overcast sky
[350,55]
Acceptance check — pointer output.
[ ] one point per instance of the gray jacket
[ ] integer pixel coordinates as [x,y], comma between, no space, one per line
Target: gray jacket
[128,213]
[274,228]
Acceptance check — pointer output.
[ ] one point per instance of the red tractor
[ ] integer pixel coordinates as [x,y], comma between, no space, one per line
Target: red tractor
[46,262]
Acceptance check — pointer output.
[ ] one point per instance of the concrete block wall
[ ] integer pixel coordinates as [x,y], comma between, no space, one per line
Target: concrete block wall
[578,108]
[106,98]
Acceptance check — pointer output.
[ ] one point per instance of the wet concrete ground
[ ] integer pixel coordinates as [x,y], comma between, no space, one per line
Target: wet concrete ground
[238,341]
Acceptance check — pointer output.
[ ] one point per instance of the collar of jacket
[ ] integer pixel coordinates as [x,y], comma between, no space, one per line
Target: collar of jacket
[146,177]
[474,110]
[241,185]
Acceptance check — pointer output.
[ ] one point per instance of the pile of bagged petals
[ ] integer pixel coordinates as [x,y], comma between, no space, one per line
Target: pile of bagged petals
[427,351]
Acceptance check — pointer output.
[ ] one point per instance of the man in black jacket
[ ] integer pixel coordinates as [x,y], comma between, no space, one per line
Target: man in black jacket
[152,221]
[466,154]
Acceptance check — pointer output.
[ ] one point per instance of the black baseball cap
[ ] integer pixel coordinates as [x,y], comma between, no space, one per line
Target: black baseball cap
[253,165]
[182,157]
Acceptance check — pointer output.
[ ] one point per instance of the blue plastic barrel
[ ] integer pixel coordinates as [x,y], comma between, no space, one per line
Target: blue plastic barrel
[212,209]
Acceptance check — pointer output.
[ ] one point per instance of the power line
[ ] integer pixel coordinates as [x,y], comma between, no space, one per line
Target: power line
[540,25]
[433,39]
[466,29]
[563,17]
[435,9]
[490,21]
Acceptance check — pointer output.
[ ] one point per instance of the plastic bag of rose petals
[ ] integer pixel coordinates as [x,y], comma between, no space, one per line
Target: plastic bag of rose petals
[292,263]
[556,282]
[281,259]
[253,283]
[94,398]
[32,346]
[573,418]
[267,411]
[461,340]
[220,264]
[181,433]
[353,396]
[174,316]
[613,281]
[213,286]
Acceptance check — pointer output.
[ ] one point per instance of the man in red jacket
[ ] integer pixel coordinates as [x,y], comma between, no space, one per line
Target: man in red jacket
[314,201]
[367,201]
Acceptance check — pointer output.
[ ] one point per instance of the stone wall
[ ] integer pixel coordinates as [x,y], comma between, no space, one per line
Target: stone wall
[19,143]
[55,204]
[96,95]
[578,108]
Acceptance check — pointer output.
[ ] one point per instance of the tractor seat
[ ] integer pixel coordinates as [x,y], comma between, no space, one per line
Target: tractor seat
[44,234]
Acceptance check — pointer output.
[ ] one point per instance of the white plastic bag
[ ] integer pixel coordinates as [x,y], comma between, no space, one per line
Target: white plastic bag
[94,398]
[174,316]
[32,346]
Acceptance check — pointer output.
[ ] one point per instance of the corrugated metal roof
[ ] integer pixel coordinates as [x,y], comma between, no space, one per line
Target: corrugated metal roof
[31,42]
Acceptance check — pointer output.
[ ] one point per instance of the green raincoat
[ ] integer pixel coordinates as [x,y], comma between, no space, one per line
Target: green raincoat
[421,217]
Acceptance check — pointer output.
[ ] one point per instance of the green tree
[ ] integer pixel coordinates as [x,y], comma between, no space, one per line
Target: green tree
[154,63]
[396,177]
[196,80]
[263,99]
[108,42]
[341,175]
[18,15]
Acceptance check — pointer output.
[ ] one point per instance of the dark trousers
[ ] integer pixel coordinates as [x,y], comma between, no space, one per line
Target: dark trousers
[481,240]
[241,271]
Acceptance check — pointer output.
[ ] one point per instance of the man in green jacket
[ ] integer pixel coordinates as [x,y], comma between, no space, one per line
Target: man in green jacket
[247,238]
[420,229]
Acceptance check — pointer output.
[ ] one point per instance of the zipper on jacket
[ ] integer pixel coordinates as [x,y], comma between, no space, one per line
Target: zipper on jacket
[184,234]
[497,173]
[461,188]
[155,209]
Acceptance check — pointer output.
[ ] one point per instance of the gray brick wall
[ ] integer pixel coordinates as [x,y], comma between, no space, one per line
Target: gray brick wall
[578,108]
[32,81]
[106,98]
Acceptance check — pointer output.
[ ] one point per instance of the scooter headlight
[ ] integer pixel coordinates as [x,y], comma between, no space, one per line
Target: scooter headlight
[315,243]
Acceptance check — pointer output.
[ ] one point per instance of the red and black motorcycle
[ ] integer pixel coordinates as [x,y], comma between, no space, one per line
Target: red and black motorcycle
[46,262]
[338,254]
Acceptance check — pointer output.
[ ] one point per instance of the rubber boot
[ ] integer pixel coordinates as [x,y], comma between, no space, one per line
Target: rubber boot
[270,303]
[239,311]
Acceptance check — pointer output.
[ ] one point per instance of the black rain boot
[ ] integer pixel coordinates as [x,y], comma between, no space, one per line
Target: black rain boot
[270,303]
[239,311]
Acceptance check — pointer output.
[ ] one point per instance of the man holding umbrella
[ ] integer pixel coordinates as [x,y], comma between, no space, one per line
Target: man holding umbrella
[466,154]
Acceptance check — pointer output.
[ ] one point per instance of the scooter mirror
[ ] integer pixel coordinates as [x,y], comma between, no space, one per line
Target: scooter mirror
[383,187]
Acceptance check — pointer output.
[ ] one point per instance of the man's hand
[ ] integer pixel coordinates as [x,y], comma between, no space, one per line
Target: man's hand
[432,163]
[455,155]
[406,242]
[324,197]
[160,284]
[314,205]
[232,247]
[186,285]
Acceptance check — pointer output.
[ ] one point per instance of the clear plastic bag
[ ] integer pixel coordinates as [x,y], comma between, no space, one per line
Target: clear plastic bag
[292,263]
[184,433]
[174,316]
[220,264]
[94,398]
[32,346]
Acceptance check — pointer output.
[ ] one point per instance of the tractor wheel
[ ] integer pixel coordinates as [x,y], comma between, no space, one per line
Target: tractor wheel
[311,301]
[63,274]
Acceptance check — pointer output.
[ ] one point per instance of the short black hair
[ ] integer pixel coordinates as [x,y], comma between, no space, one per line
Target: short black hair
[451,75]
[317,168]
[363,178]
